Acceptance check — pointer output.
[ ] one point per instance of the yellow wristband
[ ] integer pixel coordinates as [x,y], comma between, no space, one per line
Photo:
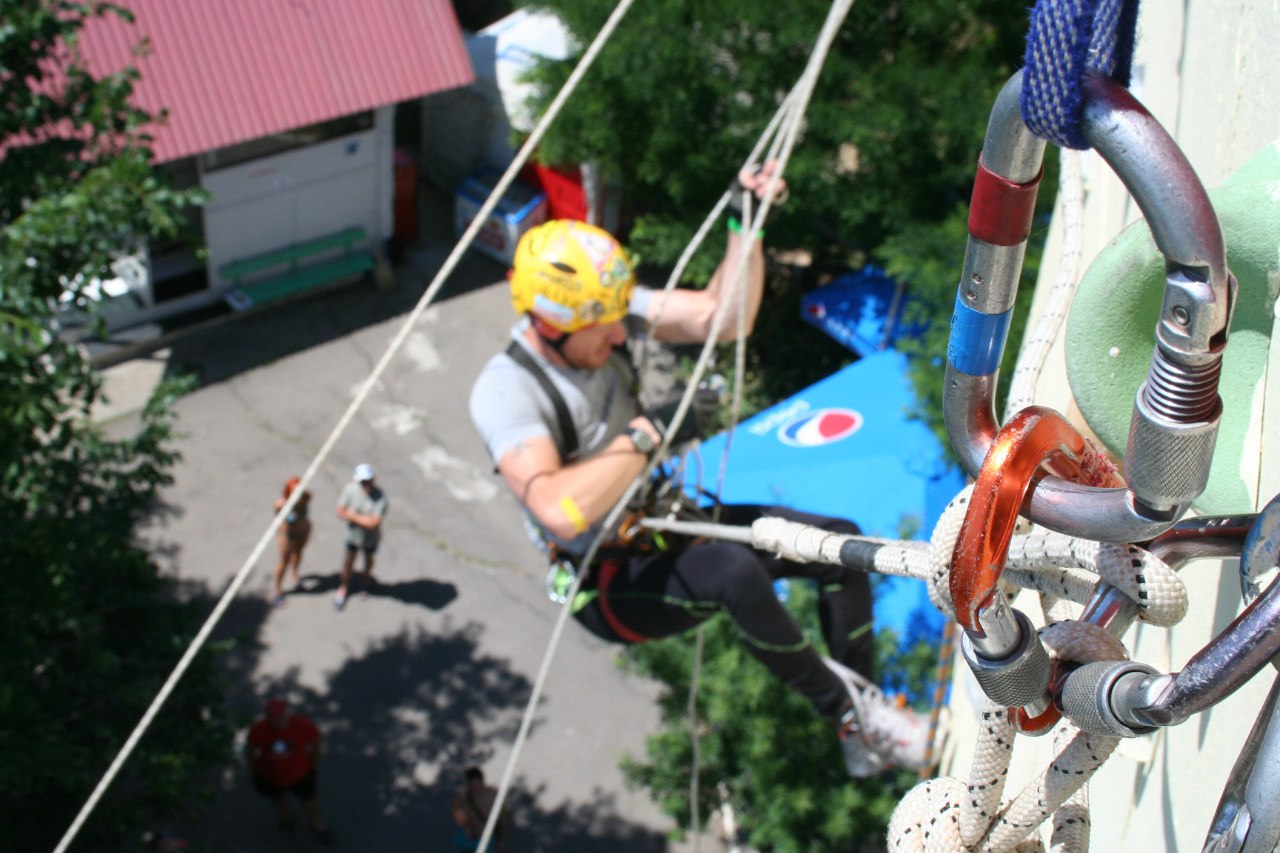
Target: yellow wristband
[573,513]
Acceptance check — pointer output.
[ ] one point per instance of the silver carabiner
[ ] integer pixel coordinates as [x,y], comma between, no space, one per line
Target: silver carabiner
[1248,816]
[1177,409]
[1261,552]
[1126,698]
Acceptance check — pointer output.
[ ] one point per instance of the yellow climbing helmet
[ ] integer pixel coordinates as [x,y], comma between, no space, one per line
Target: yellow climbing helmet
[571,275]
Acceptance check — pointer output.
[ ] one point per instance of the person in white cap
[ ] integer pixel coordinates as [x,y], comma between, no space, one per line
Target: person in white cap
[362,505]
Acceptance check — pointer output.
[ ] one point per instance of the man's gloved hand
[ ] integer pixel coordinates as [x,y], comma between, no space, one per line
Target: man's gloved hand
[662,416]
[700,420]
[755,179]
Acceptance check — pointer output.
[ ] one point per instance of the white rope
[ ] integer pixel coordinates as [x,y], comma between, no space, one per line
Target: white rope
[947,815]
[1037,561]
[795,103]
[695,826]
[370,383]
[1036,345]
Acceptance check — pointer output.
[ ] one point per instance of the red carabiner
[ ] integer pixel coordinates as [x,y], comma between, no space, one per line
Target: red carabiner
[1034,442]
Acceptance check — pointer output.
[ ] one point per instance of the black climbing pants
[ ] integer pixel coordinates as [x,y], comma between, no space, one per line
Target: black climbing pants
[657,594]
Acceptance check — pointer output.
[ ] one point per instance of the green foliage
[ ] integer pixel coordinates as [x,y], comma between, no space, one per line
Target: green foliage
[882,174]
[678,97]
[89,629]
[780,764]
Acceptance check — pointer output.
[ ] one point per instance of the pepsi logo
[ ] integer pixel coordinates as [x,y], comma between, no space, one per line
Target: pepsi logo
[823,426]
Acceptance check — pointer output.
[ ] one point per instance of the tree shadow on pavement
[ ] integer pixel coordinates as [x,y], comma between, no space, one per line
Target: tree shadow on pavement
[226,349]
[431,594]
[401,720]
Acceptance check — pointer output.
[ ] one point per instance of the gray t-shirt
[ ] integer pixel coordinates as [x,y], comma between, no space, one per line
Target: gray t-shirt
[354,498]
[508,406]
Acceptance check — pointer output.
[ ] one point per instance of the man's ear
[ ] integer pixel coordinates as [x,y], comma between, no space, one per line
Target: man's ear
[546,330]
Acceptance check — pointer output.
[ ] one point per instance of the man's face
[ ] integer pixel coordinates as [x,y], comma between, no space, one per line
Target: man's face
[367,485]
[589,348]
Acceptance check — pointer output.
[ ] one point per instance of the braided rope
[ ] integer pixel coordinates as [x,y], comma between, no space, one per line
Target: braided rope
[1066,38]
[938,815]
[946,815]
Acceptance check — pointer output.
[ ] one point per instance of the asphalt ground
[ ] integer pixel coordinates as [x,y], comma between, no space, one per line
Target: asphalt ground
[431,671]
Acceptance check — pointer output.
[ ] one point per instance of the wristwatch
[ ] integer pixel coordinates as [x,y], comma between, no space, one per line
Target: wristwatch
[642,441]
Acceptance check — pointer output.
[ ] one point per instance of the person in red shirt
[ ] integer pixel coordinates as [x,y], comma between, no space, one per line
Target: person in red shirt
[283,749]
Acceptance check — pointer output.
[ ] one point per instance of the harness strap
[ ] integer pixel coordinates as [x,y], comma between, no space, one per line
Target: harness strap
[606,570]
[569,433]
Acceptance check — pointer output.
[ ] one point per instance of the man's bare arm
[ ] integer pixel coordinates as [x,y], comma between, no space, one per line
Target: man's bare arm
[686,316]
[567,499]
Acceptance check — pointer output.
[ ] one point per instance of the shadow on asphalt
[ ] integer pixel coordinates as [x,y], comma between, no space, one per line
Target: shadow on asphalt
[424,592]
[401,721]
[223,350]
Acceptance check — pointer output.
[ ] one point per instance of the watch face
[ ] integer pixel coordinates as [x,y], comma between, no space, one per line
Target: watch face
[642,440]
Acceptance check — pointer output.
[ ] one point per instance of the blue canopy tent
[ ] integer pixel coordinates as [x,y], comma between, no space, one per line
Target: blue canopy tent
[863,310]
[845,447]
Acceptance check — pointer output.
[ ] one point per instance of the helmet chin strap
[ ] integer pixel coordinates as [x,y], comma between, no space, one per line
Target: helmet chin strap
[554,337]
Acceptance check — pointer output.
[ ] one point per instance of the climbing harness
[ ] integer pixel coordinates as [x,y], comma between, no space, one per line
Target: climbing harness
[568,445]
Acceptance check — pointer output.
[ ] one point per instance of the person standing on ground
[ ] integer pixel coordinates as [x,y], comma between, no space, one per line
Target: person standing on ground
[283,749]
[472,806]
[559,415]
[294,532]
[362,505]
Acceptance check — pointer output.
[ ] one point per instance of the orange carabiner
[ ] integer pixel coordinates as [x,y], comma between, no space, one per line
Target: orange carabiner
[1034,442]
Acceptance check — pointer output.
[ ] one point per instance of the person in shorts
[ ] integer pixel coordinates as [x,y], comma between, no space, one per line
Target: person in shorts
[282,750]
[362,505]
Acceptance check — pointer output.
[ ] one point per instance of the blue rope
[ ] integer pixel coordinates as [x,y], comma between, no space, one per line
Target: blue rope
[1066,38]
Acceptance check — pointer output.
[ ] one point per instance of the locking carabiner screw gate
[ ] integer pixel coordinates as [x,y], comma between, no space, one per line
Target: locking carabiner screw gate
[1177,409]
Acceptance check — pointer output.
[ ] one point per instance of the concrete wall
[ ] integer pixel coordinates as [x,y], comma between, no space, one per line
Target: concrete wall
[1207,71]
[271,202]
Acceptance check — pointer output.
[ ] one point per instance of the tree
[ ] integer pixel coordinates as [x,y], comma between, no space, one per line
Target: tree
[882,175]
[780,764]
[678,97]
[88,627]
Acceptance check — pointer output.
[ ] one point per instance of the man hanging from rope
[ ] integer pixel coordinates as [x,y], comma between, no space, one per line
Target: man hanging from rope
[559,414]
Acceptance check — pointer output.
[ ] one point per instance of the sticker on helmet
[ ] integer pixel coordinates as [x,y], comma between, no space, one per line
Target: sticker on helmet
[552,312]
[616,275]
[600,248]
[591,312]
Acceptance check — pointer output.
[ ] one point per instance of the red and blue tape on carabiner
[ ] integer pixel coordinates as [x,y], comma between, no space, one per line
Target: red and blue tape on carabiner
[1066,38]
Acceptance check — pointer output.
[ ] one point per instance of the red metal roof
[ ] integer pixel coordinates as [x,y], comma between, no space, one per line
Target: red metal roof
[232,70]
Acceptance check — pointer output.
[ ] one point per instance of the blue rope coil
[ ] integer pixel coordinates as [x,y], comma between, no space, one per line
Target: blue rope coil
[1066,38]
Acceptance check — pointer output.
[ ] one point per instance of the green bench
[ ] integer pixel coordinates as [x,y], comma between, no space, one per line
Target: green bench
[282,272]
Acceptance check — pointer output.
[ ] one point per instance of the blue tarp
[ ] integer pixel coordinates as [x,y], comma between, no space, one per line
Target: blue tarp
[862,310]
[845,447]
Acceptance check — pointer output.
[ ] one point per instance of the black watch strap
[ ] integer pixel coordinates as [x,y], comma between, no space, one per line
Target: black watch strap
[642,441]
